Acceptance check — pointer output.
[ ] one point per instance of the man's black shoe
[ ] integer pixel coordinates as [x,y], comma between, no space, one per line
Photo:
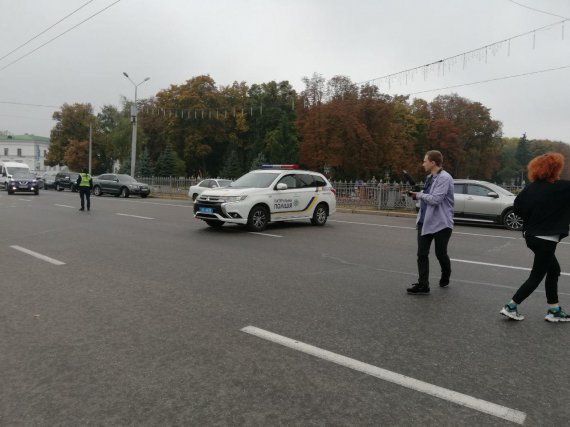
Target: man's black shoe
[443,284]
[81,209]
[417,289]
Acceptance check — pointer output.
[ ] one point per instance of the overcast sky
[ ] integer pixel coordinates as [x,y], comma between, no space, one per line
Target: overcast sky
[257,41]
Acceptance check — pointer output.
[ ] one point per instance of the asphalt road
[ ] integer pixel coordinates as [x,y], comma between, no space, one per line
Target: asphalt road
[143,323]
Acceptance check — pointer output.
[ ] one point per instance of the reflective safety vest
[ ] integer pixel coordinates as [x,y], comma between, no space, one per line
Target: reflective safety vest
[85,178]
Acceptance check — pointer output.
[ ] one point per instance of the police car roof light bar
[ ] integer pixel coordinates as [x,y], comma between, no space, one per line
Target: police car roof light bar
[279,166]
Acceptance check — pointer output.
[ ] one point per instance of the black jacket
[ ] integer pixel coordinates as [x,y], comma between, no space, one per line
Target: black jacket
[544,208]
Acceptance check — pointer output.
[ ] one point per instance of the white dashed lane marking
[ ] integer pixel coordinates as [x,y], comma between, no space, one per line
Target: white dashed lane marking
[37,255]
[498,265]
[442,393]
[265,234]
[135,216]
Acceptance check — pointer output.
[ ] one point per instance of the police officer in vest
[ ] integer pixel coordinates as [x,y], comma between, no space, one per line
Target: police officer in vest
[85,184]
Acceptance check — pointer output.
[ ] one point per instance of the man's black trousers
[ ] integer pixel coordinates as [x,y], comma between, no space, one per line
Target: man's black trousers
[441,239]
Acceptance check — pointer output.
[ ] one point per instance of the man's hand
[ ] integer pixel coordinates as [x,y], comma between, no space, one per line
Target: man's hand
[412,194]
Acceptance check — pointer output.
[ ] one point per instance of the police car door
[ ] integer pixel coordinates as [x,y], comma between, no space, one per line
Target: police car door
[308,194]
[285,203]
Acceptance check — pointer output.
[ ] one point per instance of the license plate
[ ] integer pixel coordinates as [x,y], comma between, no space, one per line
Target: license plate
[205,210]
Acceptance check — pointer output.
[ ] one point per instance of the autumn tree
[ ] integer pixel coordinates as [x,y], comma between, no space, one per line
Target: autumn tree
[77,155]
[72,124]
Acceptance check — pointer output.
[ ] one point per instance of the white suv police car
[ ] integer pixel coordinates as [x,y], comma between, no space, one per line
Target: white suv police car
[272,193]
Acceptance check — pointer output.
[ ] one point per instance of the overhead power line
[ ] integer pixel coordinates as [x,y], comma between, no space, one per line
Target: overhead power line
[44,31]
[492,80]
[464,57]
[537,10]
[58,36]
[28,105]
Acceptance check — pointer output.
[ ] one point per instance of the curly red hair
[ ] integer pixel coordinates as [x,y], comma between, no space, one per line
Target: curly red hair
[546,167]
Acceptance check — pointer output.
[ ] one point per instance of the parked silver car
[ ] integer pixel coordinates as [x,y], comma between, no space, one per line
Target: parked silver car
[483,201]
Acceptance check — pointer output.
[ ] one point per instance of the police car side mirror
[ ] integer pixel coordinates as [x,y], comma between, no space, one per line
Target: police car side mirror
[493,194]
[281,186]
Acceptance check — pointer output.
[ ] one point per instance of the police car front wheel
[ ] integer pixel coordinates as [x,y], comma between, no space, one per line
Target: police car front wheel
[320,215]
[258,218]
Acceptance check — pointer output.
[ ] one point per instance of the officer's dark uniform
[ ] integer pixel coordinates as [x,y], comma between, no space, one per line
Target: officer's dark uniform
[85,184]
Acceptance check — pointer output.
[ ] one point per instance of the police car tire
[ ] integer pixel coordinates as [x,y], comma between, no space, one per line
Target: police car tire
[37,192]
[194,196]
[214,223]
[10,192]
[258,218]
[320,215]
[97,190]
[124,192]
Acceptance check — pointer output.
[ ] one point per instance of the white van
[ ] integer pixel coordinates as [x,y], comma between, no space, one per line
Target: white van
[7,169]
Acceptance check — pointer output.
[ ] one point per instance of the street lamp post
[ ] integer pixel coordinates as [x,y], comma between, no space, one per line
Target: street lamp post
[134,112]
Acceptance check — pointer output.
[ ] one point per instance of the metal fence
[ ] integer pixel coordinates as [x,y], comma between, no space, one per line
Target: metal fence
[169,185]
[350,194]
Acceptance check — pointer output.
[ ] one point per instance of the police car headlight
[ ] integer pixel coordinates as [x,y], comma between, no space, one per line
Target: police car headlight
[230,199]
[131,186]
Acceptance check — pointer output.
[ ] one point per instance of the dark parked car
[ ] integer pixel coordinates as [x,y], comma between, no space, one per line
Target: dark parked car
[23,182]
[119,185]
[49,179]
[65,180]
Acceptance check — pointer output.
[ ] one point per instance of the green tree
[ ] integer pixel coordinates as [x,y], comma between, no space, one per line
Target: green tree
[258,161]
[510,170]
[168,163]
[232,167]
[144,165]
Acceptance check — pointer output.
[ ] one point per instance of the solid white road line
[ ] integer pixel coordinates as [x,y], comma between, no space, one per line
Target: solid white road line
[65,206]
[373,225]
[413,228]
[451,396]
[498,265]
[135,216]
[265,234]
[37,255]
[25,200]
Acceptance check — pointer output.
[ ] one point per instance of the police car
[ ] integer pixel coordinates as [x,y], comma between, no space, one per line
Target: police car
[272,193]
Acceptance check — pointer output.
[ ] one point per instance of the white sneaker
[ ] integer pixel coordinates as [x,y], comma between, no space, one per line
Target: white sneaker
[511,313]
[557,316]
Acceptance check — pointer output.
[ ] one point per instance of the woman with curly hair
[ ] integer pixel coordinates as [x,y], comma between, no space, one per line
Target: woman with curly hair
[544,206]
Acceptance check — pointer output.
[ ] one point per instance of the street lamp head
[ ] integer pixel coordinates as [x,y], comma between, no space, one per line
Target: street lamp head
[147,79]
[125,74]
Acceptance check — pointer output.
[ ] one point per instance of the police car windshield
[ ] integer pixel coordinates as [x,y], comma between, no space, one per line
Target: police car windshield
[255,180]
